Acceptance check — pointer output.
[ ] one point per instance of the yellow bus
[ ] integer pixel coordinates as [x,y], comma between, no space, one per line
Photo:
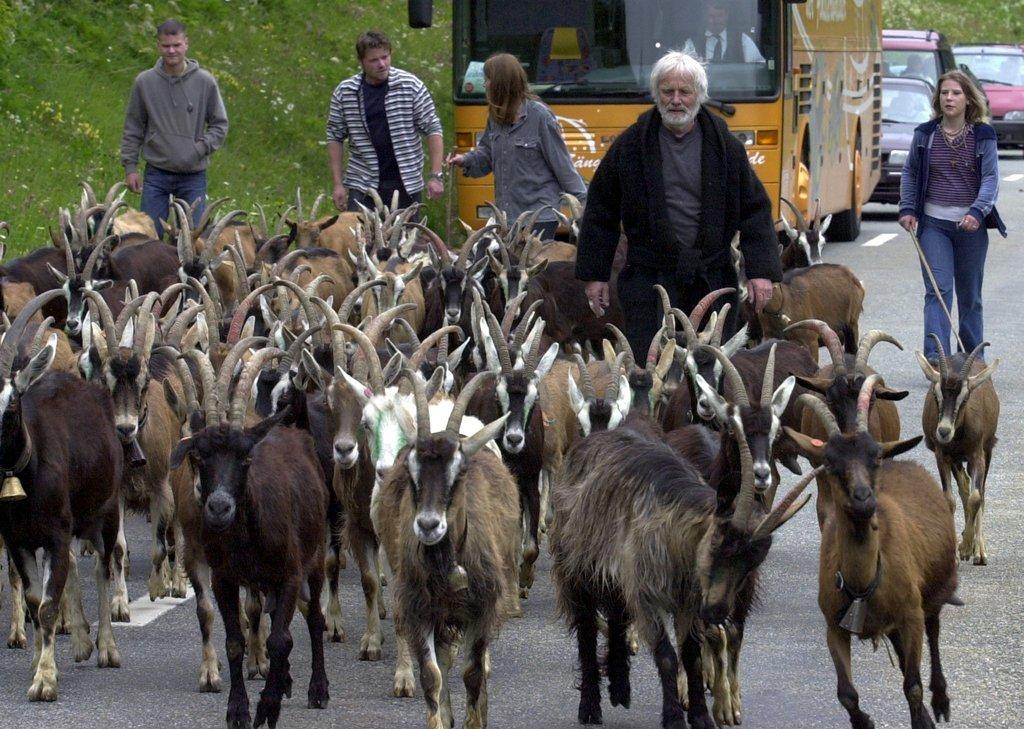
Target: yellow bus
[798,83]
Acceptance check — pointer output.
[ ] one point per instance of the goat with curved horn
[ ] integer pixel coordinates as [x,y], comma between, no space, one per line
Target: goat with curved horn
[798,216]
[243,390]
[739,390]
[867,343]
[831,339]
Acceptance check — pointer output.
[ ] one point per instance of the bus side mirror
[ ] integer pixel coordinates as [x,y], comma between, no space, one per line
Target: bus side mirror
[421,13]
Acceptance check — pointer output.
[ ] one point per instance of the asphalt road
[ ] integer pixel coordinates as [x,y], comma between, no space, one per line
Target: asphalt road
[787,676]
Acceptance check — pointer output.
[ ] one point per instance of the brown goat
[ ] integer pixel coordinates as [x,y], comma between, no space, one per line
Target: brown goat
[959,422]
[449,519]
[888,558]
[828,291]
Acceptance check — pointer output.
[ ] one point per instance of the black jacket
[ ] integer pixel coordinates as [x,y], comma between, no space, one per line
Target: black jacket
[628,188]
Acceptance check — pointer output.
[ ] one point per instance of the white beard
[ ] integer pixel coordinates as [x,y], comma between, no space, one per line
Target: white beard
[678,119]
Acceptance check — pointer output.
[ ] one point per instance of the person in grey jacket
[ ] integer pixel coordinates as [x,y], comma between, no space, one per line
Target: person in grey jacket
[523,146]
[176,118]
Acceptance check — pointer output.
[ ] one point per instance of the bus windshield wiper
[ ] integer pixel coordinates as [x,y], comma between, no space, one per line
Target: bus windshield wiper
[722,106]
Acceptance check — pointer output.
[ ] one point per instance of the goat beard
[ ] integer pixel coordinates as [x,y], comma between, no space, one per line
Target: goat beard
[678,120]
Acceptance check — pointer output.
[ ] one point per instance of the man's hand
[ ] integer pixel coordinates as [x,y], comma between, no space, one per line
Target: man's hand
[909,223]
[133,182]
[435,188]
[340,196]
[455,159]
[760,293]
[597,296]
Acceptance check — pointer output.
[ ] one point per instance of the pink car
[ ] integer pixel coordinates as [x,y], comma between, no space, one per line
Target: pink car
[1000,68]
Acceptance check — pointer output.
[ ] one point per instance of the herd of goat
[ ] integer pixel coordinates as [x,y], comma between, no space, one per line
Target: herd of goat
[275,400]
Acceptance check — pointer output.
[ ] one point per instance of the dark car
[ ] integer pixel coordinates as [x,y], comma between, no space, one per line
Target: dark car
[906,102]
[1000,68]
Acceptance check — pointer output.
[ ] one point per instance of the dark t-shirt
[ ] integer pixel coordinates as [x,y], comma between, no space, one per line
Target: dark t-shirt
[681,168]
[380,135]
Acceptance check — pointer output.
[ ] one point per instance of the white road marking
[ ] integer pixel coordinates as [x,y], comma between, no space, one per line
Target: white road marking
[144,612]
[879,240]
[1014,177]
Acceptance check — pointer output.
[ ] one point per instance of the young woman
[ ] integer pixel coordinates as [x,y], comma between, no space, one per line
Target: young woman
[523,146]
[947,196]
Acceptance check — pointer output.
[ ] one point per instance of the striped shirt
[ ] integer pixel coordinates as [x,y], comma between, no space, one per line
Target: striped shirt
[410,113]
[952,173]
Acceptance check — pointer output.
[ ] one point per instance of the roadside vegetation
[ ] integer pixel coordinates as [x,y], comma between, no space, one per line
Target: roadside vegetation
[66,69]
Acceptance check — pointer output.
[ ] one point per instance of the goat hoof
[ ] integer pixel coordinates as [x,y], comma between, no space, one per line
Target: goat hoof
[524,593]
[369,648]
[862,722]
[43,689]
[317,695]
[238,718]
[619,694]
[940,706]
[405,687]
[82,649]
[108,657]
[268,711]
[209,680]
[119,612]
[590,713]
[703,721]
[981,559]
[335,631]
[17,640]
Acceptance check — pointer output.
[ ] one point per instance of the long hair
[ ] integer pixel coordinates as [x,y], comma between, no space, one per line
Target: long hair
[507,87]
[977,105]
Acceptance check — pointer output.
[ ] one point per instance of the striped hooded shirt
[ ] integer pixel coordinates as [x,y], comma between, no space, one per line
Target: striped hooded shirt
[410,112]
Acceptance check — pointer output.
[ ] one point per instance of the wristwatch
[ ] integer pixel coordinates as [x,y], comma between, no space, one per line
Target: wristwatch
[439,176]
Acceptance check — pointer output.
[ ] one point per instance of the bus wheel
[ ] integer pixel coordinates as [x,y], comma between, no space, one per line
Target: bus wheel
[846,225]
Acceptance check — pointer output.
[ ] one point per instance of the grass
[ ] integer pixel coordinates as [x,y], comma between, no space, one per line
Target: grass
[66,69]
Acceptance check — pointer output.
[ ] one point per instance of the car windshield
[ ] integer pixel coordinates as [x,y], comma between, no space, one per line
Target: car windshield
[995,68]
[575,50]
[912,64]
[903,103]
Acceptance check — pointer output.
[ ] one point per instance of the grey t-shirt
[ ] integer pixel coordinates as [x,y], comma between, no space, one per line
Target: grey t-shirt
[680,165]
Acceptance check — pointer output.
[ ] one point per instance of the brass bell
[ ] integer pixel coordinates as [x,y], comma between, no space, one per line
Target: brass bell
[458,580]
[12,490]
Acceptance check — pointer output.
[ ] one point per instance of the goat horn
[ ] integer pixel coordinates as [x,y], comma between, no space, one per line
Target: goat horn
[241,281]
[533,356]
[90,262]
[9,346]
[787,507]
[504,358]
[69,257]
[184,243]
[37,339]
[440,335]
[867,343]
[243,390]
[314,284]
[819,408]
[467,248]
[242,311]
[666,306]
[211,403]
[612,393]
[743,504]
[227,367]
[691,333]
[188,384]
[382,321]
[817,213]
[263,219]
[630,361]
[316,205]
[439,245]
[107,219]
[768,385]
[511,310]
[88,195]
[587,384]
[114,192]
[181,323]
[289,357]
[407,329]
[105,317]
[422,407]
[212,310]
[459,409]
[864,401]
[337,341]
[655,349]
[211,240]
[374,372]
[304,300]
[208,214]
[522,329]
[800,221]
[943,361]
[697,315]
[969,362]
[345,310]
[831,339]
[719,330]
[129,311]
[739,390]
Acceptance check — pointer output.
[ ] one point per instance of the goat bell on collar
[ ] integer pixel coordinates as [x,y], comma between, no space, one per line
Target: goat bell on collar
[12,490]
[133,452]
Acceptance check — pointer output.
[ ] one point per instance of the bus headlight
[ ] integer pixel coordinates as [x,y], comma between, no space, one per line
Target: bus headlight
[746,136]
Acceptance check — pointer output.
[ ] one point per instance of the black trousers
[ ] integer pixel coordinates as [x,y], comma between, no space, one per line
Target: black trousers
[641,305]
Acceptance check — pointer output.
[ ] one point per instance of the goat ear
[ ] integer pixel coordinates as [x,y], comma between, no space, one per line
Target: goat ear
[811,448]
[930,372]
[818,384]
[895,448]
[625,396]
[101,284]
[37,366]
[490,350]
[608,350]
[308,365]
[980,378]
[887,393]
[576,399]
[61,278]
[180,451]
[736,342]
[455,358]
[435,382]
[781,397]
[248,328]
[824,226]
[537,268]
[547,361]
[393,367]
[128,335]
[471,444]
[329,222]
[174,401]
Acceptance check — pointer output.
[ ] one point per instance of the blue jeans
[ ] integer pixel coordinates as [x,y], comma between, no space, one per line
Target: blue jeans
[158,185]
[957,258]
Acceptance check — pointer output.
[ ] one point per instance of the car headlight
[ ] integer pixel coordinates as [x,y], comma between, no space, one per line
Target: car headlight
[1015,115]
[898,156]
[746,136]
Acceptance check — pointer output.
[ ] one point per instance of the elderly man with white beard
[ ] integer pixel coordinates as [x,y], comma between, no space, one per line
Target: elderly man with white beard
[679,186]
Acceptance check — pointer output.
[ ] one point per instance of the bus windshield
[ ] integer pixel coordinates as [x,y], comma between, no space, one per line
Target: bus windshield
[590,50]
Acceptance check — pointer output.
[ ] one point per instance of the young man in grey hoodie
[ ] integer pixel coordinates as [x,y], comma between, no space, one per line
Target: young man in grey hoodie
[176,117]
